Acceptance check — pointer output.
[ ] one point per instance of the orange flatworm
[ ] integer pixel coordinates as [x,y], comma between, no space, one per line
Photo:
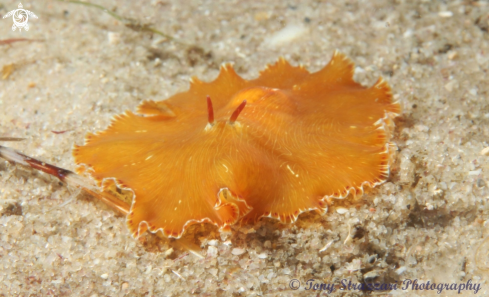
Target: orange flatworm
[238,150]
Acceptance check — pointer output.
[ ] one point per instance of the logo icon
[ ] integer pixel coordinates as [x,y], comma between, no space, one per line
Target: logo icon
[20,17]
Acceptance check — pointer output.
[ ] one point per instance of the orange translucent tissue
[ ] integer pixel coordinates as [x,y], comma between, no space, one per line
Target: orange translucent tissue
[237,150]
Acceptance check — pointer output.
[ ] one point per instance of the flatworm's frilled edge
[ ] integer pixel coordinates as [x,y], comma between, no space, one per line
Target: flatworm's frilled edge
[384,124]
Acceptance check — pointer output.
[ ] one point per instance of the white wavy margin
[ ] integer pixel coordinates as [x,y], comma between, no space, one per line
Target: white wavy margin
[381,123]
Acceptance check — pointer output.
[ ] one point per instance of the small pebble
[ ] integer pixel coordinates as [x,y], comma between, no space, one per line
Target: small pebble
[445,14]
[238,251]
[286,35]
[114,38]
[263,256]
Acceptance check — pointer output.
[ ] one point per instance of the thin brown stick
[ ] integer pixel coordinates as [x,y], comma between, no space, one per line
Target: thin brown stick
[12,40]
[11,139]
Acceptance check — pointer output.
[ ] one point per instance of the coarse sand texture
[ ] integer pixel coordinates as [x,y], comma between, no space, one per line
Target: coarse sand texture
[77,66]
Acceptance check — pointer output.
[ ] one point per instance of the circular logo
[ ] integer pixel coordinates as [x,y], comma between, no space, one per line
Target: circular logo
[294,284]
[20,18]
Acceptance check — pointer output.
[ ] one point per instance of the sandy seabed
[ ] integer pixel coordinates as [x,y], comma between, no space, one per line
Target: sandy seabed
[427,223]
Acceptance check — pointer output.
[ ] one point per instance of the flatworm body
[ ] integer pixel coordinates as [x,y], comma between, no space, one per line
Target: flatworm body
[275,146]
